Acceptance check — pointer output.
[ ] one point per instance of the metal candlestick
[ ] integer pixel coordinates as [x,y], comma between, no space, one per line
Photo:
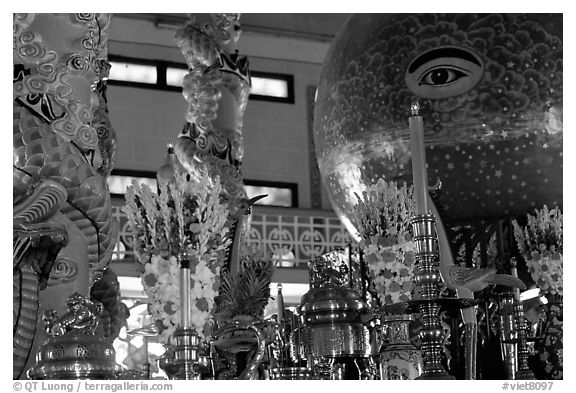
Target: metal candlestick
[184,290]
[523,371]
[508,334]
[186,340]
[427,279]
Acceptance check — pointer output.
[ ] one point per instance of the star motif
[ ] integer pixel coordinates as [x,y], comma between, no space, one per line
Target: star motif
[491,147]
[510,64]
[510,191]
[467,165]
[483,163]
[545,146]
[498,173]
[526,161]
[504,134]
[450,166]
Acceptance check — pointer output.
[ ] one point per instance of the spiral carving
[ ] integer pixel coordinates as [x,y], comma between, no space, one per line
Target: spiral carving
[63,271]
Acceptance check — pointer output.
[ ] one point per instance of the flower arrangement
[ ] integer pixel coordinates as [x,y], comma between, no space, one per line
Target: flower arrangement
[383,220]
[540,242]
[186,218]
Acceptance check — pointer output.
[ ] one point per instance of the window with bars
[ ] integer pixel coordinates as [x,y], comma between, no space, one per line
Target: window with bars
[164,75]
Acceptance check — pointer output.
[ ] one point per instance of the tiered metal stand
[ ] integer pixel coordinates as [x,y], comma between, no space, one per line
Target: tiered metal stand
[185,363]
[523,371]
[427,279]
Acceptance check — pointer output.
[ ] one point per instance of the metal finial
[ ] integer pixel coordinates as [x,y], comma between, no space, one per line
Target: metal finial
[170,147]
[415,107]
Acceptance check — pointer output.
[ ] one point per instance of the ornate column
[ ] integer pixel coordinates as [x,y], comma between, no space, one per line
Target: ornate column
[57,66]
[217,89]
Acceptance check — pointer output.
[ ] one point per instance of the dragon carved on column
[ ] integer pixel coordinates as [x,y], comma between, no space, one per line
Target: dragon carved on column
[216,88]
[57,166]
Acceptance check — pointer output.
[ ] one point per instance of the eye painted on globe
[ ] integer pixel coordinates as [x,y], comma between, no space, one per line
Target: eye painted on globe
[442,75]
[444,72]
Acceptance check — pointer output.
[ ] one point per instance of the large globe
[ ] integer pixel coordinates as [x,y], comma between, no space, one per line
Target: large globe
[490,88]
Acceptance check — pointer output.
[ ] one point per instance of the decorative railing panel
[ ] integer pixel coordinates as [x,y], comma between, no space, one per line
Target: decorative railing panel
[292,236]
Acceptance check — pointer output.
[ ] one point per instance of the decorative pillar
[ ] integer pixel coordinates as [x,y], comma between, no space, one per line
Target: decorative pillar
[216,88]
[57,66]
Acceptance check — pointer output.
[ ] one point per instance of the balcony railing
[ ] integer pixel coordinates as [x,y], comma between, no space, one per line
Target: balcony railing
[291,236]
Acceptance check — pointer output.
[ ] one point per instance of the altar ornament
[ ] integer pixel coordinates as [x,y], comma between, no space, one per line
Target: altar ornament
[115,312]
[427,280]
[57,62]
[73,351]
[383,212]
[466,281]
[540,242]
[490,87]
[399,358]
[286,362]
[508,335]
[239,220]
[225,339]
[337,344]
[242,298]
[183,223]
[427,276]
[523,371]
[247,291]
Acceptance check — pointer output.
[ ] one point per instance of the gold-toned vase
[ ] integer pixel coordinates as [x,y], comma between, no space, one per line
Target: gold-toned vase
[399,358]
